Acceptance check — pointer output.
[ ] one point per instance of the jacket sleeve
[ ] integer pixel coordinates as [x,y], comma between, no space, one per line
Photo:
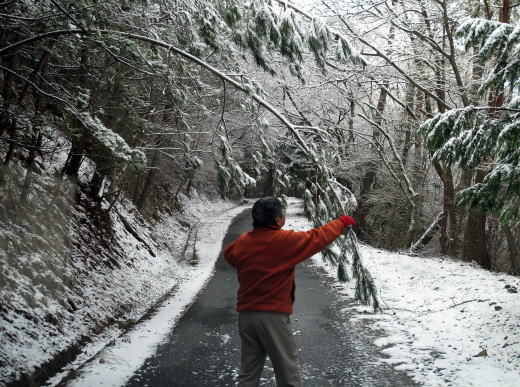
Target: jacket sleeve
[228,254]
[304,244]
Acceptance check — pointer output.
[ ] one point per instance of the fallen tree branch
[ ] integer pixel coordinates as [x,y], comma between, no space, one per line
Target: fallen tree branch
[430,230]
[134,233]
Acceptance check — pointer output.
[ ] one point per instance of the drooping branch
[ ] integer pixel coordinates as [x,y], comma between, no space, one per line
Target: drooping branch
[178,51]
[336,34]
[171,48]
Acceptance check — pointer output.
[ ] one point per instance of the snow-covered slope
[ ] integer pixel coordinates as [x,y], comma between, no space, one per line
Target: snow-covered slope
[446,323]
[115,364]
[69,271]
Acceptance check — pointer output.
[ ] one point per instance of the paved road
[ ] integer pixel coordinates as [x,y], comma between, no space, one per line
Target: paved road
[204,348]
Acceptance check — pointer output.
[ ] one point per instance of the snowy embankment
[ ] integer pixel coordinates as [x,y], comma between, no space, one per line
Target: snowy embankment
[74,276]
[112,365]
[446,323]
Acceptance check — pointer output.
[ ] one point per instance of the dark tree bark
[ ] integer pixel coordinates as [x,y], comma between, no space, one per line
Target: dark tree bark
[38,135]
[74,160]
[8,61]
[513,249]
[36,146]
[156,158]
[76,153]
[13,124]
[95,185]
[370,175]
[475,244]
[352,103]
[269,182]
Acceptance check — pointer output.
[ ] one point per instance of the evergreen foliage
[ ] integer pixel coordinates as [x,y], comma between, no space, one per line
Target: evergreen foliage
[497,41]
[122,94]
[486,137]
[232,179]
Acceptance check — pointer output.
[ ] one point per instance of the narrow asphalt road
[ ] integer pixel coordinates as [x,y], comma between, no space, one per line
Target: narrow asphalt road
[204,348]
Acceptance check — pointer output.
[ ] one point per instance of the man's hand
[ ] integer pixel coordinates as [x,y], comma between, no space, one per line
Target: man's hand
[347,220]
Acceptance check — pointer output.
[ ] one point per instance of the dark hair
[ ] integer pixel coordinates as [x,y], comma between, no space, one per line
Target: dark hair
[265,211]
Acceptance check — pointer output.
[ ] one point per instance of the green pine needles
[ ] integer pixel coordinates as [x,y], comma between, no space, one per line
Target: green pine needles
[366,291]
[232,178]
[325,199]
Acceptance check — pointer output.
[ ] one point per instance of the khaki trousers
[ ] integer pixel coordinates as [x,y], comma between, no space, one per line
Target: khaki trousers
[262,334]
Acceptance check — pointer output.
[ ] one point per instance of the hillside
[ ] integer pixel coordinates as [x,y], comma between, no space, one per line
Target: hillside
[72,269]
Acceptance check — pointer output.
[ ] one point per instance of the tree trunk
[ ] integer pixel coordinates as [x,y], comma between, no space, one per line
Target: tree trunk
[409,123]
[95,185]
[513,250]
[38,135]
[74,160]
[475,246]
[39,67]
[453,241]
[427,235]
[149,180]
[370,175]
[37,142]
[156,158]
[448,239]
[269,182]
[352,104]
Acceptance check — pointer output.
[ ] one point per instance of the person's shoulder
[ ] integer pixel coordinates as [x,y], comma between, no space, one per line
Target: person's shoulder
[244,236]
[287,233]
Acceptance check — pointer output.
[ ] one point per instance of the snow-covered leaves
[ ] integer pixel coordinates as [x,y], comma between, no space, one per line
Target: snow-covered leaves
[210,21]
[486,137]
[319,41]
[232,178]
[265,24]
[498,40]
[110,140]
[470,137]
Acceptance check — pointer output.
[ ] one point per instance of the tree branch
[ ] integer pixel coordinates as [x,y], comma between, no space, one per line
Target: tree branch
[389,61]
[409,187]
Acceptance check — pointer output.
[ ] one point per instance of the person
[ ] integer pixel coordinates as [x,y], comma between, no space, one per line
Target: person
[265,260]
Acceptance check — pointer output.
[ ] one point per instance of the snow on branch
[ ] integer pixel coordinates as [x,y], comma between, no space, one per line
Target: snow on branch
[111,140]
[473,138]
[344,50]
[500,40]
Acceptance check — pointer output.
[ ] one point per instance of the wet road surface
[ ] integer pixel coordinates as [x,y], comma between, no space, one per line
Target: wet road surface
[204,347]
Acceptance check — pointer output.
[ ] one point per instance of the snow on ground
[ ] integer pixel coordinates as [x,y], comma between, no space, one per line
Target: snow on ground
[71,274]
[440,315]
[114,364]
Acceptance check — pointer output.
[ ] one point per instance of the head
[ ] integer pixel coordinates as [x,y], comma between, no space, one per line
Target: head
[268,212]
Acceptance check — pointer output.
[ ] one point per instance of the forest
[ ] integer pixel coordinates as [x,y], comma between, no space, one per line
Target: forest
[407,111]
[403,113]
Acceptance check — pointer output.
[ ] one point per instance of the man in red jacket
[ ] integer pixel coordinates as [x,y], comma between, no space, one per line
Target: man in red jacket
[265,258]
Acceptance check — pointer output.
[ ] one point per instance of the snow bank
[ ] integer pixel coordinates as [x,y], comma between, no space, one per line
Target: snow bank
[114,364]
[447,323]
[68,271]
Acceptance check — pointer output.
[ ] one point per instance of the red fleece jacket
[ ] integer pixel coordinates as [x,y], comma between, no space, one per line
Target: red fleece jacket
[265,259]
